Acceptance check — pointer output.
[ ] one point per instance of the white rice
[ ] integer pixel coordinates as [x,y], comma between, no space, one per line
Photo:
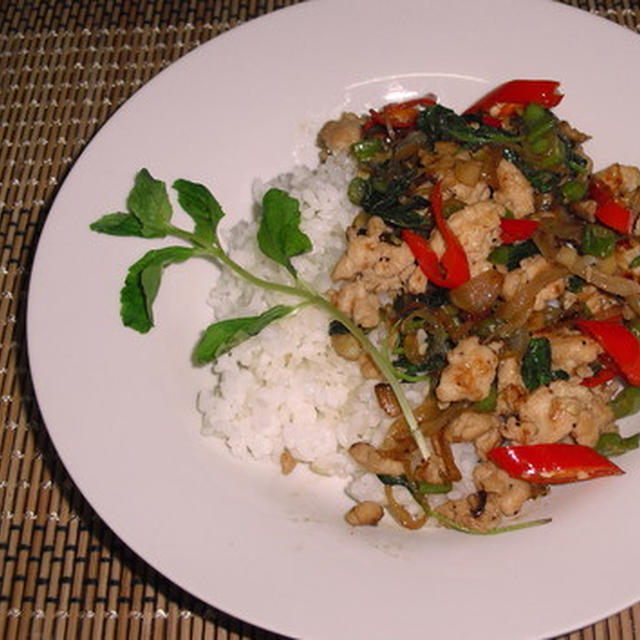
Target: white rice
[287,388]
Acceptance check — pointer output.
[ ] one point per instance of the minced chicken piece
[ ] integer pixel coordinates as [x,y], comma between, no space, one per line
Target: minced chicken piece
[511,493]
[364,514]
[515,192]
[470,372]
[572,350]
[371,266]
[562,409]
[476,512]
[470,425]
[339,135]
[621,179]
[511,389]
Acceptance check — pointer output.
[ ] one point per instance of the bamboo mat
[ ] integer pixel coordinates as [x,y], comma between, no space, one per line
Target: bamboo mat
[65,67]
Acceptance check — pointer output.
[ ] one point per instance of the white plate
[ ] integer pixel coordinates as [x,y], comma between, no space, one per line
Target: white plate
[120,407]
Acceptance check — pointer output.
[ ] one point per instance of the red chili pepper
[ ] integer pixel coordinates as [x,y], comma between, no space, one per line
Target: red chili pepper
[600,191]
[491,121]
[453,268]
[515,230]
[619,343]
[614,215]
[610,212]
[401,115]
[555,463]
[520,92]
[606,372]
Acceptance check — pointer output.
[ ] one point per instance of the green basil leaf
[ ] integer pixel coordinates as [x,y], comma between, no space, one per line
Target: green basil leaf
[223,336]
[142,283]
[149,203]
[441,123]
[511,255]
[279,235]
[613,444]
[575,284]
[118,224]
[200,204]
[536,364]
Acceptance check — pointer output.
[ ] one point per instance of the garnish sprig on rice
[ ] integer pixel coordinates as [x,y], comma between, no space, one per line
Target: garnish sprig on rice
[149,213]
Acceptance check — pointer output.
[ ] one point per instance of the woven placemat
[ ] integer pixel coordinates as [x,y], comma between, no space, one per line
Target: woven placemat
[65,67]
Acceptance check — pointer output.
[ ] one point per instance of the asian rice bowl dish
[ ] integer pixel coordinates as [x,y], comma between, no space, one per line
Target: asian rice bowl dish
[465,333]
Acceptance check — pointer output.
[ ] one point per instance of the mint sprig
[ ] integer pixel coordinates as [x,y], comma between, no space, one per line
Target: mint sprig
[149,215]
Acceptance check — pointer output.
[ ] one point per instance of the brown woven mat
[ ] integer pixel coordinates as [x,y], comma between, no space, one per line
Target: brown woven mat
[65,66]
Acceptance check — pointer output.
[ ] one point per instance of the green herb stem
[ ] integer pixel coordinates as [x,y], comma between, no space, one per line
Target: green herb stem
[219,254]
[215,251]
[385,368]
[452,524]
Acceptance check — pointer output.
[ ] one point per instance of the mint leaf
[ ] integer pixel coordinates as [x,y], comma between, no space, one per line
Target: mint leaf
[118,224]
[279,235]
[142,283]
[200,204]
[149,203]
[223,336]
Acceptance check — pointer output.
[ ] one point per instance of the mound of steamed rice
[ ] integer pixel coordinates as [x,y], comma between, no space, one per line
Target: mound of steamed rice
[287,388]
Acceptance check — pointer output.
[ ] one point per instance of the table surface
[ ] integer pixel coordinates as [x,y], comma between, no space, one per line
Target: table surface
[65,67]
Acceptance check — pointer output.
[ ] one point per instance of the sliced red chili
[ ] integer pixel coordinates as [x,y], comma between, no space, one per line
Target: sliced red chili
[397,115]
[521,92]
[607,371]
[555,463]
[516,229]
[609,211]
[600,191]
[619,343]
[614,215]
[452,269]
[491,121]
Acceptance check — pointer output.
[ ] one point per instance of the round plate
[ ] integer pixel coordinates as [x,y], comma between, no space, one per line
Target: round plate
[120,407]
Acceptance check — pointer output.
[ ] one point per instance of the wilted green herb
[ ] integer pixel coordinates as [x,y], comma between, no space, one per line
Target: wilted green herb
[441,123]
[575,284]
[511,255]
[536,365]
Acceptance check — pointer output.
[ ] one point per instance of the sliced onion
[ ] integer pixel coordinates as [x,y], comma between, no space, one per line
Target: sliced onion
[518,309]
[480,293]
[431,420]
[634,304]
[442,448]
[583,266]
[410,145]
[400,513]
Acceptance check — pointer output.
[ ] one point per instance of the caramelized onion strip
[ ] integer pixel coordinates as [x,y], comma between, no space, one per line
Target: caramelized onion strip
[582,266]
[400,513]
[517,310]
